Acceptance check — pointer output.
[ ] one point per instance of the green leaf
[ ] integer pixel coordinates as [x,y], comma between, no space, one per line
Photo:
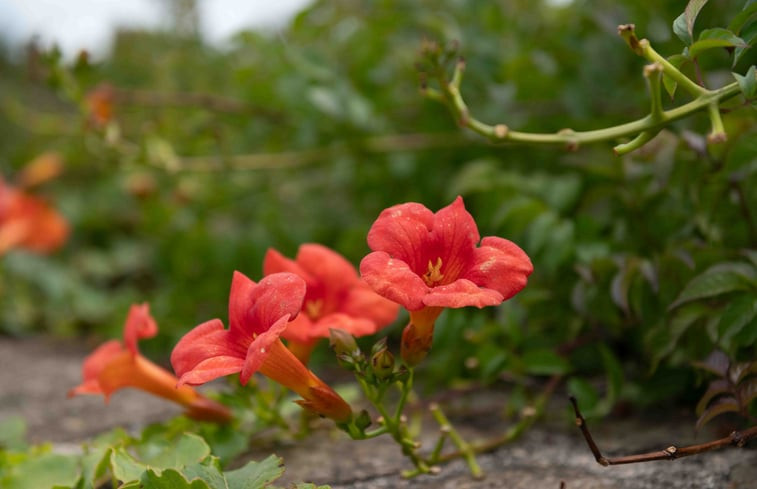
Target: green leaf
[748,82]
[715,38]
[169,479]
[621,283]
[614,372]
[740,312]
[544,362]
[749,35]
[742,18]
[665,337]
[719,279]
[13,433]
[677,60]
[691,12]
[189,449]
[43,472]
[256,475]
[585,394]
[681,30]
[124,467]
[683,26]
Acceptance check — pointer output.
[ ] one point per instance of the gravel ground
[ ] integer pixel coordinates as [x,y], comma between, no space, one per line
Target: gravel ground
[35,375]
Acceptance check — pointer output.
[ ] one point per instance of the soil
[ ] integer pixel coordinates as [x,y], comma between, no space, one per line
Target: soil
[36,374]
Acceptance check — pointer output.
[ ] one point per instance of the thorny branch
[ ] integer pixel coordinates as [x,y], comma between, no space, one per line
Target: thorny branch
[736,438]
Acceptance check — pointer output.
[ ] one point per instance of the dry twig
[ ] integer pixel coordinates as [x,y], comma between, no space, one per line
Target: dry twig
[736,438]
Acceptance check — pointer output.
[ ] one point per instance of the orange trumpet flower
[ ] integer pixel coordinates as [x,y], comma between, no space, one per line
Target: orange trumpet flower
[116,365]
[258,314]
[336,298]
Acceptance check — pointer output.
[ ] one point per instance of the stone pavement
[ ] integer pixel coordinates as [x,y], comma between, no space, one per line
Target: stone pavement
[35,375]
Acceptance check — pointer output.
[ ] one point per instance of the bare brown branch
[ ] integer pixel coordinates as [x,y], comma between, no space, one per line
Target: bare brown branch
[736,438]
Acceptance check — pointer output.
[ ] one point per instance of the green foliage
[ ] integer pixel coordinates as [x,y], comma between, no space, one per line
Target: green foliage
[154,460]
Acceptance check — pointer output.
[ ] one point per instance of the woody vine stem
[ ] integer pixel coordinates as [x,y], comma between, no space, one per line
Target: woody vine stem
[644,129]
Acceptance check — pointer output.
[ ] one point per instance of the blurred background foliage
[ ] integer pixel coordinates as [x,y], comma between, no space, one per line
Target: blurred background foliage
[644,264]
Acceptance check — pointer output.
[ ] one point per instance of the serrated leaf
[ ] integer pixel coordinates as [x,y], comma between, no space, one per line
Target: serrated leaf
[748,13]
[717,280]
[544,362]
[716,388]
[209,472]
[169,479]
[747,82]
[188,449]
[256,475]
[725,404]
[124,467]
[740,312]
[715,38]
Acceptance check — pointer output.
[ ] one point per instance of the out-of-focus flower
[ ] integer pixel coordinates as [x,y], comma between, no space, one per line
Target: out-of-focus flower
[99,104]
[335,298]
[258,315]
[28,222]
[41,169]
[116,365]
[428,261]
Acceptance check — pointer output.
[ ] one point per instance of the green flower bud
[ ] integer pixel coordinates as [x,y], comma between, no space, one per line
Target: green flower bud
[382,363]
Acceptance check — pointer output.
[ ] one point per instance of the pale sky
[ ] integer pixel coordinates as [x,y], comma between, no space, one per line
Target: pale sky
[88,24]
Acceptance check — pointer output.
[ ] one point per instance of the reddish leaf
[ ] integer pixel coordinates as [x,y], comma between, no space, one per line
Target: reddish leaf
[716,388]
[717,363]
[725,404]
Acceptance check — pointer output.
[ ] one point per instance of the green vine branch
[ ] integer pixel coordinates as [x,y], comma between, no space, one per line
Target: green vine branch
[449,93]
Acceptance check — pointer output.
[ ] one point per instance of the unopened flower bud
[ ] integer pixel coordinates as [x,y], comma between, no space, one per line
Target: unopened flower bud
[343,343]
[363,420]
[382,363]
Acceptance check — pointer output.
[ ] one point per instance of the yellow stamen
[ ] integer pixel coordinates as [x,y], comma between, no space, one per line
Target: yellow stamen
[434,274]
[313,308]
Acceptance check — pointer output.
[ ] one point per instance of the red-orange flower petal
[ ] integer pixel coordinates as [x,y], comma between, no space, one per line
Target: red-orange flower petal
[210,351]
[28,222]
[139,324]
[257,313]
[336,298]
[421,259]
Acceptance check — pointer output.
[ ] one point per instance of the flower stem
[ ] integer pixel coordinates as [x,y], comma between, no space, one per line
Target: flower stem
[465,448]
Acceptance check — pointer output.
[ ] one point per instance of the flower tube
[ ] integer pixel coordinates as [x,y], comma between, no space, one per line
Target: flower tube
[429,261]
[116,365]
[258,315]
